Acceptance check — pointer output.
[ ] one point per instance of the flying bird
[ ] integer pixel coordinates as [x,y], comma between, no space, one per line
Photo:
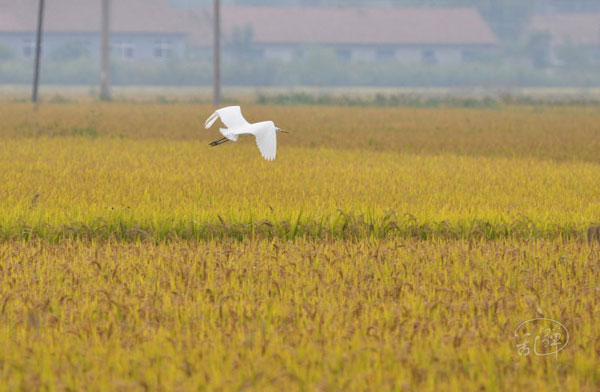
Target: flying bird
[265,132]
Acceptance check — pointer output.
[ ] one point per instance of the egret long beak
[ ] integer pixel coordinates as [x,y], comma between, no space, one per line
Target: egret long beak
[281,130]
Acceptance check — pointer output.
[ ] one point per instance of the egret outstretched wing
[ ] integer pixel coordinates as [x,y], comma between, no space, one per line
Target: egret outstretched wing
[231,117]
[266,139]
[265,132]
[211,120]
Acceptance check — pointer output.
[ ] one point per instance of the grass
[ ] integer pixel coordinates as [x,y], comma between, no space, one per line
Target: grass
[385,249]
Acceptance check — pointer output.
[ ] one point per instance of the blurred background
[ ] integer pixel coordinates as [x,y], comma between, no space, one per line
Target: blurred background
[324,44]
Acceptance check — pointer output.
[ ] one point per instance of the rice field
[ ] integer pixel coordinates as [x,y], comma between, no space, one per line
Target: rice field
[384,249]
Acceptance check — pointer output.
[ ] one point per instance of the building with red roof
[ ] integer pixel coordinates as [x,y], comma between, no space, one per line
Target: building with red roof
[151,30]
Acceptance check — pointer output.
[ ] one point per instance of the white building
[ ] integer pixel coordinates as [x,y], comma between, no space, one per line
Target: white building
[146,30]
[406,35]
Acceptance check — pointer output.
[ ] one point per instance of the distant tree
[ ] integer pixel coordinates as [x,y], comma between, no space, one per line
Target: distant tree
[576,56]
[508,18]
[540,49]
[240,42]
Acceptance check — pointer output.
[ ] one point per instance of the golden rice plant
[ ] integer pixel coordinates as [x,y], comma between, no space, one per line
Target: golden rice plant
[95,171]
[385,249]
[395,314]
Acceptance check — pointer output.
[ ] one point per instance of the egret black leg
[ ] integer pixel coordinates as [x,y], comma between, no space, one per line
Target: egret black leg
[220,141]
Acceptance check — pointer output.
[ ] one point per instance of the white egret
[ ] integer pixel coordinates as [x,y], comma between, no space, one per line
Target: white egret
[265,132]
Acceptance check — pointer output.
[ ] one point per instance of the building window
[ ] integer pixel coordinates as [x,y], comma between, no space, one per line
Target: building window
[429,57]
[468,55]
[385,54]
[162,48]
[124,49]
[29,48]
[344,54]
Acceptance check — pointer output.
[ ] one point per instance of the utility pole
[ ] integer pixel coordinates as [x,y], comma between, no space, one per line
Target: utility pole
[38,52]
[105,52]
[217,53]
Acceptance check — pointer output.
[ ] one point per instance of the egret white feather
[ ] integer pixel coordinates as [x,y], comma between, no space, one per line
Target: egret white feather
[211,120]
[265,132]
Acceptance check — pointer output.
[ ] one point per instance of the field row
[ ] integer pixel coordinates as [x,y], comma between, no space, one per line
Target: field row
[296,315]
[55,188]
[549,133]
